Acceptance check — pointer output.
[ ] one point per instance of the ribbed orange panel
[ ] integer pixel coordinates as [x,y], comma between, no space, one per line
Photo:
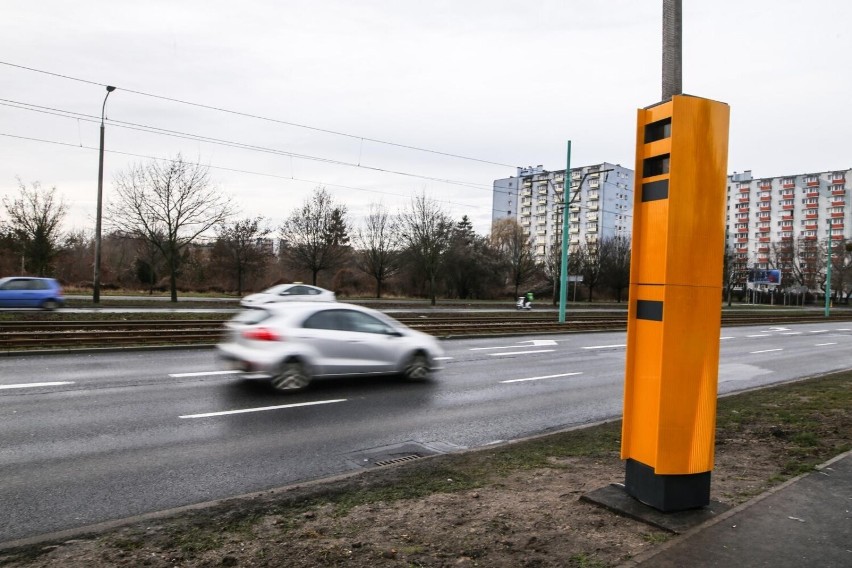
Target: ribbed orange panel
[676,280]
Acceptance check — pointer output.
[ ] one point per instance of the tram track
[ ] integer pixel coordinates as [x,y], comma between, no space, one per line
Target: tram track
[22,336]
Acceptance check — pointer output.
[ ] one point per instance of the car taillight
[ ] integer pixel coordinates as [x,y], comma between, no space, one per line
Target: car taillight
[261,334]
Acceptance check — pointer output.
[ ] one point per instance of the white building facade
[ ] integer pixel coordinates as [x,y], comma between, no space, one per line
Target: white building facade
[772,220]
[600,203]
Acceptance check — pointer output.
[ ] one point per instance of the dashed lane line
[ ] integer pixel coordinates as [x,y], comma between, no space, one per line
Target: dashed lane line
[261,409]
[522,352]
[202,374]
[34,385]
[541,378]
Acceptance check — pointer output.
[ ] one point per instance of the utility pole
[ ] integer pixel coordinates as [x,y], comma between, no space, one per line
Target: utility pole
[672,49]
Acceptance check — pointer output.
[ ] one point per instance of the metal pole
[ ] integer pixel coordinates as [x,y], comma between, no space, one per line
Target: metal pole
[672,49]
[828,274]
[563,277]
[96,284]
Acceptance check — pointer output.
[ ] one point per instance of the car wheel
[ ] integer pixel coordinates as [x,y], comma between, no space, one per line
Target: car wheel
[292,376]
[50,305]
[417,368]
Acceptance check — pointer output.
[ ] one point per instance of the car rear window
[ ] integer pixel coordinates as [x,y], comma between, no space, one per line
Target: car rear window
[251,316]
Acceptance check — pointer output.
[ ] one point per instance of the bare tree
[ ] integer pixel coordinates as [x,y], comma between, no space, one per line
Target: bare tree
[314,237]
[615,263]
[590,266]
[245,247]
[169,204]
[426,231]
[378,245]
[35,219]
[508,237]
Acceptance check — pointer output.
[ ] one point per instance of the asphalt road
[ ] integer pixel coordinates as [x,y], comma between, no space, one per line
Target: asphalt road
[93,437]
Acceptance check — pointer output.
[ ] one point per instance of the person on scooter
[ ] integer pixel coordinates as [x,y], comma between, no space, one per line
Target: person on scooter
[528,298]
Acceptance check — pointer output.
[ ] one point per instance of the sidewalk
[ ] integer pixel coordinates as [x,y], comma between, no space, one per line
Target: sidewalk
[804,522]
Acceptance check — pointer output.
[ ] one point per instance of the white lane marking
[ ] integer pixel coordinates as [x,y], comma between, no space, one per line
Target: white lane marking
[260,409]
[758,335]
[34,385]
[728,337]
[823,344]
[603,346]
[443,358]
[202,373]
[793,333]
[818,331]
[779,329]
[843,329]
[540,378]
[522,352]
[539,342]
[765,351]
[487,348]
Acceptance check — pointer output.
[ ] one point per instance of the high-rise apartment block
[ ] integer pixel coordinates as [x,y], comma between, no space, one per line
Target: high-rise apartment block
[599,201]
[774,222]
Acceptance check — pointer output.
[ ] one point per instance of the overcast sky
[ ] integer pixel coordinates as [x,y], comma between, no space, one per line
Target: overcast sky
[505,82]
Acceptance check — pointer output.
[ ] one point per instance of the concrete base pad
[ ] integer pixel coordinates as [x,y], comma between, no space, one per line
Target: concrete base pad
[616,499]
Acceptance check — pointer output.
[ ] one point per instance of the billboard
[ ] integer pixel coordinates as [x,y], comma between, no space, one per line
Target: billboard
[761,276]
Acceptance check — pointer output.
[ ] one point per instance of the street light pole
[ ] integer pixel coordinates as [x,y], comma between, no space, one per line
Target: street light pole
[563,272]
[96,284]
[828,274]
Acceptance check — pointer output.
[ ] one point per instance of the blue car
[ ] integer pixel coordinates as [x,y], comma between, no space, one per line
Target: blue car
[30,292]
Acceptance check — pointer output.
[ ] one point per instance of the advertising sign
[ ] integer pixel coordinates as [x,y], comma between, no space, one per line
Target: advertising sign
[761,276]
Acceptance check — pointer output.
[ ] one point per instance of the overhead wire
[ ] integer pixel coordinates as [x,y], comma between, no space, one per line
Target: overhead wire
[235,170]
[222,142]
[263,118]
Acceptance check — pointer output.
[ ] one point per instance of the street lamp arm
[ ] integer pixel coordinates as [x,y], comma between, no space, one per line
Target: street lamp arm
[103,107]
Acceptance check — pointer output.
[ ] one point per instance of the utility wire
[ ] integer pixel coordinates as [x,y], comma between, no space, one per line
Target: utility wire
[263,118]
[222,142]
[235,170]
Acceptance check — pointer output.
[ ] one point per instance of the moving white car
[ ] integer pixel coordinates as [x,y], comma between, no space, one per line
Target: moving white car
[296,292]
[292,344]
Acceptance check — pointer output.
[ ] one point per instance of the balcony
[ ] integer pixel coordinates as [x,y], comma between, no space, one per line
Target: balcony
[788,184]
[838,203]
[812,193]
[837,215]
[765,207]
[839,180]
[788,207]
[745,189]
[742,240]
[841,191]
[814,216]
[812,183]
[744,199]
[810,226]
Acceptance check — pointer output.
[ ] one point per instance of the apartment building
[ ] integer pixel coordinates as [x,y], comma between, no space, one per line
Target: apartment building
[599,197]
[772,220]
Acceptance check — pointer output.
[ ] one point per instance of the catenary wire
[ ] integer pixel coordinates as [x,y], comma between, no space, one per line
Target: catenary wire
[259,117]
[228,143]
[235,170]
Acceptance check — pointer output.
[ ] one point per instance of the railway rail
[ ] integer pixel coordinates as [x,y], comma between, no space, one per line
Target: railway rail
[18,336]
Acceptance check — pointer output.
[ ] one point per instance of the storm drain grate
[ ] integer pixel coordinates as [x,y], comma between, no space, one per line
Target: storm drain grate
[399,460]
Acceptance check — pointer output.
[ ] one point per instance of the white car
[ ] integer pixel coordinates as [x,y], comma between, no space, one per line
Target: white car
[296,292]
[294,343]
